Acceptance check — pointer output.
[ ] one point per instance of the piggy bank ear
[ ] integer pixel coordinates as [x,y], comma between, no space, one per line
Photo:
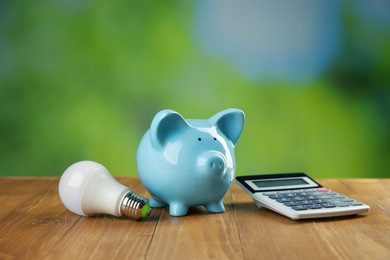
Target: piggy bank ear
[165,124]
[230,122]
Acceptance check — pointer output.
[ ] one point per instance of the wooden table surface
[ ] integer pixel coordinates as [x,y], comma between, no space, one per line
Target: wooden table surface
[35,225]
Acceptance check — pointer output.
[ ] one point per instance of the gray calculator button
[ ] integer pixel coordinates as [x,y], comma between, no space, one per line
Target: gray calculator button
[340,204]
[299,208]
[327,205]
[276,196]
[306,202]
[291,204]
[269,193]
[282,200]
[348,200]
[314,206]
[298,199]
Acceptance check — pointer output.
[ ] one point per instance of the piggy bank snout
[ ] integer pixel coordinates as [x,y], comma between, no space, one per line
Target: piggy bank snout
[212,162]
[216,163]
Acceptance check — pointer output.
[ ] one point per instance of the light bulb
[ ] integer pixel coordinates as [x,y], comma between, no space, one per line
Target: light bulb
[87,188]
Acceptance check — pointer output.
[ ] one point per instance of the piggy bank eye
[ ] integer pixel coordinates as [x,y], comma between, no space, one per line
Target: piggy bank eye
[215,139]
[199,139]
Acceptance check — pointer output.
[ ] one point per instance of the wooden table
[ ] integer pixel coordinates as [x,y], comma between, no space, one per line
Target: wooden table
[35,225]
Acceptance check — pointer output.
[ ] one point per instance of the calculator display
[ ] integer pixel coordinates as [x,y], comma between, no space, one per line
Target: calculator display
[279,183]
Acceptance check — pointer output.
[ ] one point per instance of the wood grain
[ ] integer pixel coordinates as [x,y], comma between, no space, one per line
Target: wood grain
[35,225]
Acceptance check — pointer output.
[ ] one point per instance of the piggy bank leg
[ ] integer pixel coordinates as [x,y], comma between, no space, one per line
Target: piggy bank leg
[177,209]
[215,207]
[156,203]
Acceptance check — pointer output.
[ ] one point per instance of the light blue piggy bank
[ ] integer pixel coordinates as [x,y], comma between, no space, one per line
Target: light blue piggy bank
[184,163]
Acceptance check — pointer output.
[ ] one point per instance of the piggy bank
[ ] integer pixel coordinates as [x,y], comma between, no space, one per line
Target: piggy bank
[189,162]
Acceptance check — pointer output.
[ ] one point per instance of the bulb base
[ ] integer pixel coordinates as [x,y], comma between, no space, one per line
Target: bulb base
[135,206]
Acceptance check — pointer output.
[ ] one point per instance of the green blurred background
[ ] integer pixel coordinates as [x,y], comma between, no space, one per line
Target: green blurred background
[83,79]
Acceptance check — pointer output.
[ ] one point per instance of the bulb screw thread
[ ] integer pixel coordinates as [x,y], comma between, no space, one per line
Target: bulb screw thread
[135,206]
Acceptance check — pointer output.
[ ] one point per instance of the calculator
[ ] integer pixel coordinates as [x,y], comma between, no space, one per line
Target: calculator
[298,196]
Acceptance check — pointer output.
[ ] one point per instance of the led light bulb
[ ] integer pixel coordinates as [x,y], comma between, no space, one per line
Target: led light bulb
[87,188]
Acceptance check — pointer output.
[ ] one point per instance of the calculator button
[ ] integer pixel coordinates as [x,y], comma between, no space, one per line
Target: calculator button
[347,200]
[299,208]
[291,204]
[342,205]
[326,203]
[316,201]
[282,200]
[276,196]
[339,204]
[356,204]
[327,206]
[298,199]
[306,202]
[314,206]
[269,193]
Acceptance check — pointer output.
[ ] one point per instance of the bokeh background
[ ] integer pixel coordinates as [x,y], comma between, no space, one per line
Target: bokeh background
[83,79]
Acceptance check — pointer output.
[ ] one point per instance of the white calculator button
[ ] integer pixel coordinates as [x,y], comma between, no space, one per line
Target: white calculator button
[269,193]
